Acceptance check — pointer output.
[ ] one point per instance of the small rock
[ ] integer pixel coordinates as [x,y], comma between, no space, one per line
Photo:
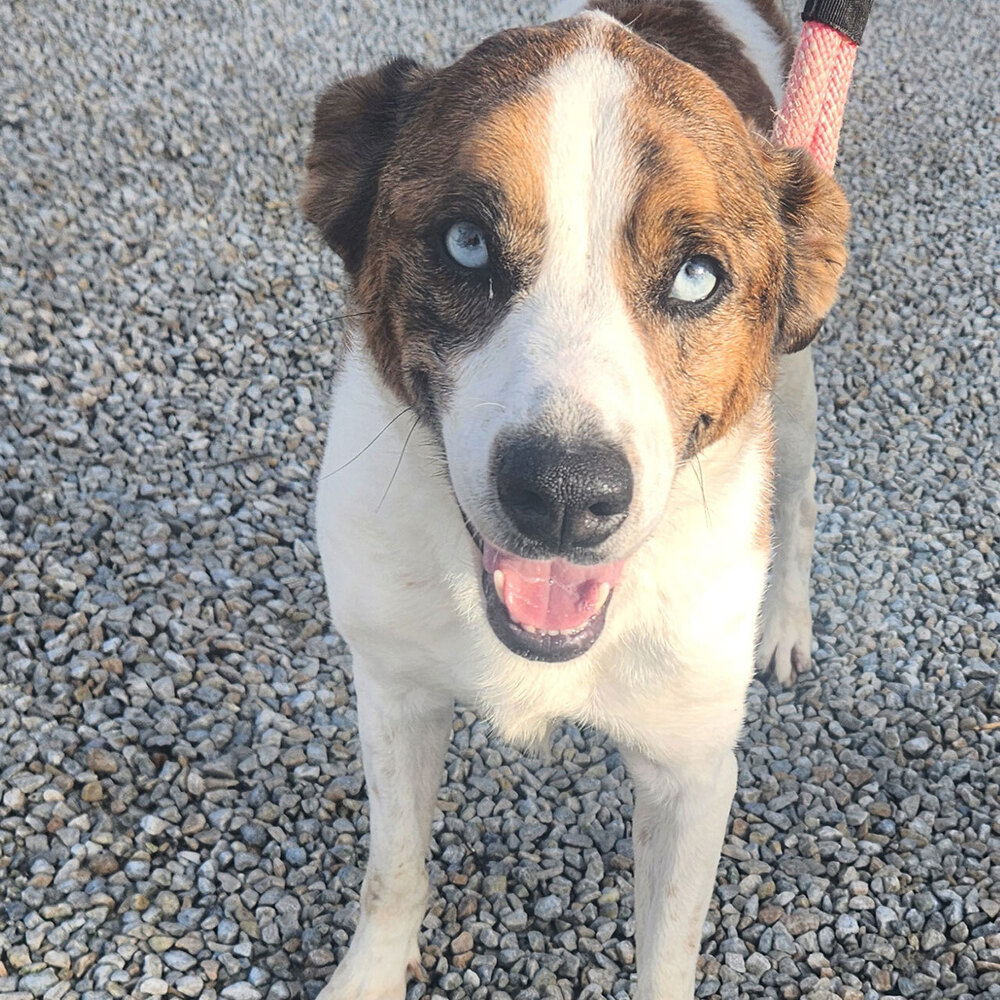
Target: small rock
[548,908]
[36,983]
[918,746]
[462,944]
[101,761]
[153,825]
[92,792]
[241,991]
[189,986]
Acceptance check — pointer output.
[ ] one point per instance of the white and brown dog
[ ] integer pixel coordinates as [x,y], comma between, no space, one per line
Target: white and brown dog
[547,484]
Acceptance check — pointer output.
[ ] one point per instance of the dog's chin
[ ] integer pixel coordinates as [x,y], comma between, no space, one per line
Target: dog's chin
[550,646]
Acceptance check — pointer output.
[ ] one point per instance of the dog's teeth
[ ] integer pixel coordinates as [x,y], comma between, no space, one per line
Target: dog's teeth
[498,579]
[553,633]
[601,597]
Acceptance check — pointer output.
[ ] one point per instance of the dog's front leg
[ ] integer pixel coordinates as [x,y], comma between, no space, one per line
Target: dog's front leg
[678,827]
[404,734]
[786,637]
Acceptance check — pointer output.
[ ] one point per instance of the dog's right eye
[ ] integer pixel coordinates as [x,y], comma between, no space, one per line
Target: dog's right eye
[466,245]
[697,279]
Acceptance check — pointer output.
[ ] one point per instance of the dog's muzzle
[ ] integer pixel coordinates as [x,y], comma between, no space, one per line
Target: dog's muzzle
[551,603]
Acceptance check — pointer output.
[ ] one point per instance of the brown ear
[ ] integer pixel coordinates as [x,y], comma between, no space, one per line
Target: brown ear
[355,125]
[816,219]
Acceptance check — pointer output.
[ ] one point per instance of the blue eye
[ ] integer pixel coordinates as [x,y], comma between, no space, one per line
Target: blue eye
[466,243]
[697,279]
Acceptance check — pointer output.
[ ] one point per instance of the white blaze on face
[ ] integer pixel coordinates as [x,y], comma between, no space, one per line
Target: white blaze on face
[568,359]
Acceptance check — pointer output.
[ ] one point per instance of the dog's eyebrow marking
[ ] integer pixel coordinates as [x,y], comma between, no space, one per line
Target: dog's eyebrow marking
[687,221]
[477,196]
[694,230]
[673,233]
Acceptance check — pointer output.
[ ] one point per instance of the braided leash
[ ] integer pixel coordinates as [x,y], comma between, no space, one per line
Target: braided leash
[816,92]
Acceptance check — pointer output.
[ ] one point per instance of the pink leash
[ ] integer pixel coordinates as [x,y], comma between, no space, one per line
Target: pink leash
[816,92]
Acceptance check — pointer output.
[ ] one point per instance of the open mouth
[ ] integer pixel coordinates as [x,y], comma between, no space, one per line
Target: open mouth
[545,609]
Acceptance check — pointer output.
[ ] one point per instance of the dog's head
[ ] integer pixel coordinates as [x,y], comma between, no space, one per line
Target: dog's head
[579,264]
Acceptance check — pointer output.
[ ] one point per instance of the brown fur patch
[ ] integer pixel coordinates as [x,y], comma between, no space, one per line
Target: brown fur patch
[701,190]
[816,218]
[706,185]
[467,150]
[354,128]
[503,149]
[690,31]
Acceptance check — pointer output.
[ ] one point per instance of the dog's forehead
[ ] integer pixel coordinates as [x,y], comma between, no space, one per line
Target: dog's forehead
[519,59]
[497,112]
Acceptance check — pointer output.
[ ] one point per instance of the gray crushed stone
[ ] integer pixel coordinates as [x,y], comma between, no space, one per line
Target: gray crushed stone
[181,806]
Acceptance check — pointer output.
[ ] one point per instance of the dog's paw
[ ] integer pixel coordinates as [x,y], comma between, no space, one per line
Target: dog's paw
[785,647]
[373,986]
[364,975]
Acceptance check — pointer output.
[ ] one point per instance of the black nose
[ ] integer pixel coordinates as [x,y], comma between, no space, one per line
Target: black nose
[564,498]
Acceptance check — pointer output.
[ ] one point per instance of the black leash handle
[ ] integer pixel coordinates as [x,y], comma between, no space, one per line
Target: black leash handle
[849,17]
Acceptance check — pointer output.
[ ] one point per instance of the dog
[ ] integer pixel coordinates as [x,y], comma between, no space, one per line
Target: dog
[587,284]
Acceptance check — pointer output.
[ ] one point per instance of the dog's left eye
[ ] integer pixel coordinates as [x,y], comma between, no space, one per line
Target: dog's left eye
[466,243]
[697,279]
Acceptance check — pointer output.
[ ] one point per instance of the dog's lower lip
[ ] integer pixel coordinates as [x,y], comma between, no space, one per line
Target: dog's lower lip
[536,644]
[526,641]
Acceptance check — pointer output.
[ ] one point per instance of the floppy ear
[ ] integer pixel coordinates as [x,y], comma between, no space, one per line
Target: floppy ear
[355,125]
[816,218]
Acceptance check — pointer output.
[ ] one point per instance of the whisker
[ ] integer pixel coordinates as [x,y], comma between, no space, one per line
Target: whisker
[333,472]
[399,462]
[701,484]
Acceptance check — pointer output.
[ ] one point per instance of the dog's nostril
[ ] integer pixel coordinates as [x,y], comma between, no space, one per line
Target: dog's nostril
[603,509]
[563,498]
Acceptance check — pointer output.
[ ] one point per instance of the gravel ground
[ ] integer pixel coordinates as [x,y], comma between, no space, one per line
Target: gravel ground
[181,805]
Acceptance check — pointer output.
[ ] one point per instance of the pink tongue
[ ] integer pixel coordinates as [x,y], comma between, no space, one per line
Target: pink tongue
[552,595]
